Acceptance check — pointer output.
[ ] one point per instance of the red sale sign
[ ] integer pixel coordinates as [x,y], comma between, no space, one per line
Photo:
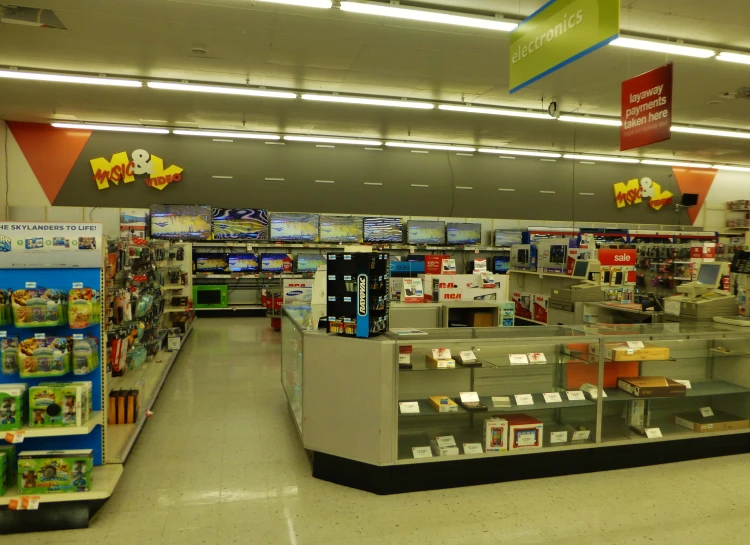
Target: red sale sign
[646,108]
[625,257]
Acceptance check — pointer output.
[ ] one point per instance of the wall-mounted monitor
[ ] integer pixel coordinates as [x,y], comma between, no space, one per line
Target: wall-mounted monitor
[239,223]
[276,262]
[501,264]
[340,228]
[507,237]
[310,262]
[425,232]
[464,233]
[207,263]
[383,230]
[243,263]
[180,221]
[287,226]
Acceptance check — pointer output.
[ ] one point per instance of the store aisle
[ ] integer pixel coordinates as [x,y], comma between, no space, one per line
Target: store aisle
[220,462]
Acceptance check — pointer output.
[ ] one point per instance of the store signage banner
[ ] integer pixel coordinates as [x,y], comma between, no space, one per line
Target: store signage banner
[646,108]
[559,33]
[121,168]
[634,191]
[624,257]
[50,245]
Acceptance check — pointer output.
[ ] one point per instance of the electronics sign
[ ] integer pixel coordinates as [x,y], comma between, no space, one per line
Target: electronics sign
[120,168]
[634,191]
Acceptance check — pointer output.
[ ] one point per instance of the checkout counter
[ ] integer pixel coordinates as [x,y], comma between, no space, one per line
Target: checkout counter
[702,300]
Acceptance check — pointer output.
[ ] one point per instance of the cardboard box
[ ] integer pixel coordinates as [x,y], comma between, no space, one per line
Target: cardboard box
[495,435]
[651,387]
[60,404]
[443,451]
[621,352]
[524,304]
[541,303]
[524,432]
[433,263]
[43,472]
[443,404]
[12,405]
[481,319]
[434,283]
[443,363]
[720,421]
[639,414]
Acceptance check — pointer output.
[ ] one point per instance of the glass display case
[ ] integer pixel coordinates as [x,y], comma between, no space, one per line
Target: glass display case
[294,321]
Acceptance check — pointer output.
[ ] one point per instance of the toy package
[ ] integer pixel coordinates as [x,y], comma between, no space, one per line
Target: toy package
[42,472]
[39,307]
[44,357]
[10,456]
[60,404]
[12,406]
[3,472]
[9,355]
[6,313]
[84,308]
[85,355]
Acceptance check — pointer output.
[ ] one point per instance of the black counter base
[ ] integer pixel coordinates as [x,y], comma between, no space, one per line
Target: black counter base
[398,479]
[66,515]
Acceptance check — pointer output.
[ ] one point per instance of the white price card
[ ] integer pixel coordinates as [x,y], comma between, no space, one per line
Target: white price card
[473,448]
[3,334]
[706,412]
[404,358]
[467,355]
[685,383]
[635,344]
[575,395]
[536,357]
[558,437]
[553,397]
[441,353]
[518,359]
[40,336]
[77,285]
[14,436]
[653,433]
[31,503]
[469,397]
[581,435]
[249,247]
[524,399]
[77,336]
[446,441]
[408,407]
[421,452]
[30,285]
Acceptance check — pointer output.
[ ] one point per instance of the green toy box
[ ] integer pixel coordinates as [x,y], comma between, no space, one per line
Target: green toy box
[12,464]
[39,307]
[52,471]
[84,307]
[3,473]
[60,404]
[12,406]
[9,354]
[41,356]
[6,312]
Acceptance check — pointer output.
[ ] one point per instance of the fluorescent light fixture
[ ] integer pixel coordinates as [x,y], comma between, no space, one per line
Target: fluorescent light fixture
[196,88]
[370,101]
[441,147]
[113,128]
[674,164]
[325,140]
[602,158]
[733,57]
[428,15]
[325,4]
[591,120]
[520,152]
[221,134]
[494,111]
[730,167]
[64,78]
[664,47]
[711,132]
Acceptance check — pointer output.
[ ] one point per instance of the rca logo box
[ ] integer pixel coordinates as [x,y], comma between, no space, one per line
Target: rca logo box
[541,302]
[434,283]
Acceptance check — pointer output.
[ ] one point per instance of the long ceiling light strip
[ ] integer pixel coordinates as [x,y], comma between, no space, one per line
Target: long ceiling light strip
[655,46]
[591,120]
[369,101]
[227,134]
[427,15]
[439,147]
[674,164]
[494,111]
[711,132]
[520,152]
[331,140]
[601,158]
[325,4]
[198,88]
[732,168]
[728,56]
[113,128]
[66,78]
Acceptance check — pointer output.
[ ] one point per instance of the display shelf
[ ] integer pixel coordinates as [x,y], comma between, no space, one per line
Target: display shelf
[425,409]
[616,432]
[539,404]
[232,307]
[699,389]
[61,431]
[530,320]
[103,481]
[121,438]
[323,246]
[177,309]
[174,286]
[541,274]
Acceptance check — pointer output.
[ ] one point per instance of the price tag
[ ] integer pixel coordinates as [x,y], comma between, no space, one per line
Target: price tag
[408,407]
[635,344]
[40,336]
[653,433]
[446,441]
[524,399]
[30,285]
[536,357]
[706,412]
[518,359]
[24,503]
[558,437]
[685,383]
[473,448]
[467,355]
[3,334]
[553,397]
[77,336]
[77,285]
[421,452]
[404,358]
[575,395]
[469,397]
[14,437]
[249,247]
[581,435]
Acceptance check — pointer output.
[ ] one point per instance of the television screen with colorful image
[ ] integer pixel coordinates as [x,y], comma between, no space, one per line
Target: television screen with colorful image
[425,232]
[383,230]
[276,262]
[243,263]
[464,233]
[310,262]
[340,228]
[239,223]
[180,221]
[217,263]
[294,226]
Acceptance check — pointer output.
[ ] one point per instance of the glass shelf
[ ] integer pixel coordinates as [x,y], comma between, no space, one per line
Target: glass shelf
[698,389]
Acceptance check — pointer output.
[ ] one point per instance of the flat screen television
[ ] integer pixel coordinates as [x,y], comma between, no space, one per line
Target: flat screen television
[291,226]
[383,230]
[340,228]
[180,221]
[507,237]
[217,263]
[239,223]
[243,263]
[310,262]
[464,233]
[276,262]
[501,264]
[425,232]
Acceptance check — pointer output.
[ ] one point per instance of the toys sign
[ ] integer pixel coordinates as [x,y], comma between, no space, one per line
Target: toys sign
[120,168]
[646,113]
[634,191]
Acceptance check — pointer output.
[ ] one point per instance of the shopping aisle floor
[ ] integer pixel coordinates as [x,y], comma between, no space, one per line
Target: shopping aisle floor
[220,462]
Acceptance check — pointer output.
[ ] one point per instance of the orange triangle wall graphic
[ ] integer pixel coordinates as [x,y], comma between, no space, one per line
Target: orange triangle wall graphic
[691,180]
[50,152]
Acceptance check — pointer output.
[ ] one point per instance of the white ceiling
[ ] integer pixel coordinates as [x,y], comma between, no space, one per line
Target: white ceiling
[333,51]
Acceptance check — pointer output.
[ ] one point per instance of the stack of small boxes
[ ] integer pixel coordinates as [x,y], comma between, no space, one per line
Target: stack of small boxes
[512,432]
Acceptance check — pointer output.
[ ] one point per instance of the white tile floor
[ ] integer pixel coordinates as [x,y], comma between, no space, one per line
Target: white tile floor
[220,462]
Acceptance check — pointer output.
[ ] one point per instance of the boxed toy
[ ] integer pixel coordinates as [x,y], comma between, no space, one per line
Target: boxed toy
[651,387]
[38,307]
[11,470]
[3,473]
[84,307]
[622,352]
[42,472]
[44,357]
[524,432]
[6,312]
[9,355]
[541,302]
[11,406]
[495,434]
[85,355]
[60,404]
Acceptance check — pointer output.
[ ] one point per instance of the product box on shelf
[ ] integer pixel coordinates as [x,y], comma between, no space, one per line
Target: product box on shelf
[3,473]
[9,451]
[6,310]
[42,472]
[524,432]
[12,404]
[443,404]
[84,307]
[495,435]
[444,449]
[719,421]
[433,264]
[60,404]
[41,356]
[541,303]
[440,358]
[39,307]
[622,352]
[9,355]
[433,284]
[639,414]
[85,355]
[524,303]
[651,387]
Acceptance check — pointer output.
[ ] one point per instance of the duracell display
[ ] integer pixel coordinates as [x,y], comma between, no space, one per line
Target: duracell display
[357,302]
